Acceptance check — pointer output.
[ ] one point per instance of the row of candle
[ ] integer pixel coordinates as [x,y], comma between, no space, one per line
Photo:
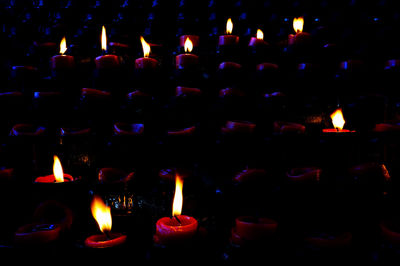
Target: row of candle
[188,42]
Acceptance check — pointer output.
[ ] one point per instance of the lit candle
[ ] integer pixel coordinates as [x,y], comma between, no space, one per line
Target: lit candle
[338,123]
[187,60]
[178,228]
[106,61]
[193,38]
[102,214]
[145,62]
[300,37]
[228,39]
[58,175]
[62,61]
[258,40]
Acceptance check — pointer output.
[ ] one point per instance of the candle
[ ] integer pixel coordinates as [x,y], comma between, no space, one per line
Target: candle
[177,229]
[145,62]
[102,214]
[249,229]
[193,38]
[324,240]
[228,39]
[106,61]
[62,61]
[187,60]
[304,174]
[242,127]
[282,127]
[27,130]
[58,175]
[258,40]
[338,123]
[300,37]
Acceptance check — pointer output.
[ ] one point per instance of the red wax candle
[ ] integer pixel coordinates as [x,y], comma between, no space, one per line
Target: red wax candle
[103,241]
[253,229]
[288,127]
[184,61]
[145,62]
[57,177]
[102,215]
[62,61]
[183,132]
[108,61]
[229,66]
[300,38]
[124,129]
[243,127]
[169,230]
[338,122]
[258,40]
[389,233]
[186,91]
[180,228]
[26,130]
[304,174]
[250,175]
[228,39]
[387,127]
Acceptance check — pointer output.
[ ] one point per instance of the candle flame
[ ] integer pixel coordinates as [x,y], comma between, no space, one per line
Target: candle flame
[298,24]
[229,26]
[63,46]
[57,170]
[146,47]
[260,34]
[337,119]
[178,197]
[103,39]
[101,213]
[188,45]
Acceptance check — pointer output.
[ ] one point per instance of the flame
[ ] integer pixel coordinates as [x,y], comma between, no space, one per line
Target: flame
[178,197]
[260,34]
[337,119]
[229,26]
[146,47]
[57,170]
[298,24]
[101,213]
[188,45]
[103,39]
[63,46]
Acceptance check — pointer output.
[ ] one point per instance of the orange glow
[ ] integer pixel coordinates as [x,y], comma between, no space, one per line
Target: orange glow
[57,170]
[298,24]
[337,119]
[63,46]
[103,39]
[178,197]
[260,34]
[146,47]
[188,45]
[229,26]
[101,213]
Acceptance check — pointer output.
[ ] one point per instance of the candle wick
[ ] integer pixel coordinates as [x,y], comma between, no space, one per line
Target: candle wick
[107,234]
[176,217]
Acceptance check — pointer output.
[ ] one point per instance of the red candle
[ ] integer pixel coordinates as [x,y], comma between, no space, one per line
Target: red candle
[107,61]
[288,127]
[300,38]
[26,130]
[102,214]
[387,127]
[338,123]
[187,60]
[250,175]
[62,61]
[258,40]
[228,39]
[58,175]
[229,66]
[145,62]
[179,228]
[243,127]
[250,229]
[186,91]
[330,241]
[126,129]
[389,233]
[304,174]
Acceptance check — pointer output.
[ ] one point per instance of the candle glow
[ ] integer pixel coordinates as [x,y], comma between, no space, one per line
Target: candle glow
[229,26]
[260,35]
[103,39]
[188,45]
[337,119]
[145,46]
[298,24]
[178,197]
[101,213]
[63,46]
[57,170]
